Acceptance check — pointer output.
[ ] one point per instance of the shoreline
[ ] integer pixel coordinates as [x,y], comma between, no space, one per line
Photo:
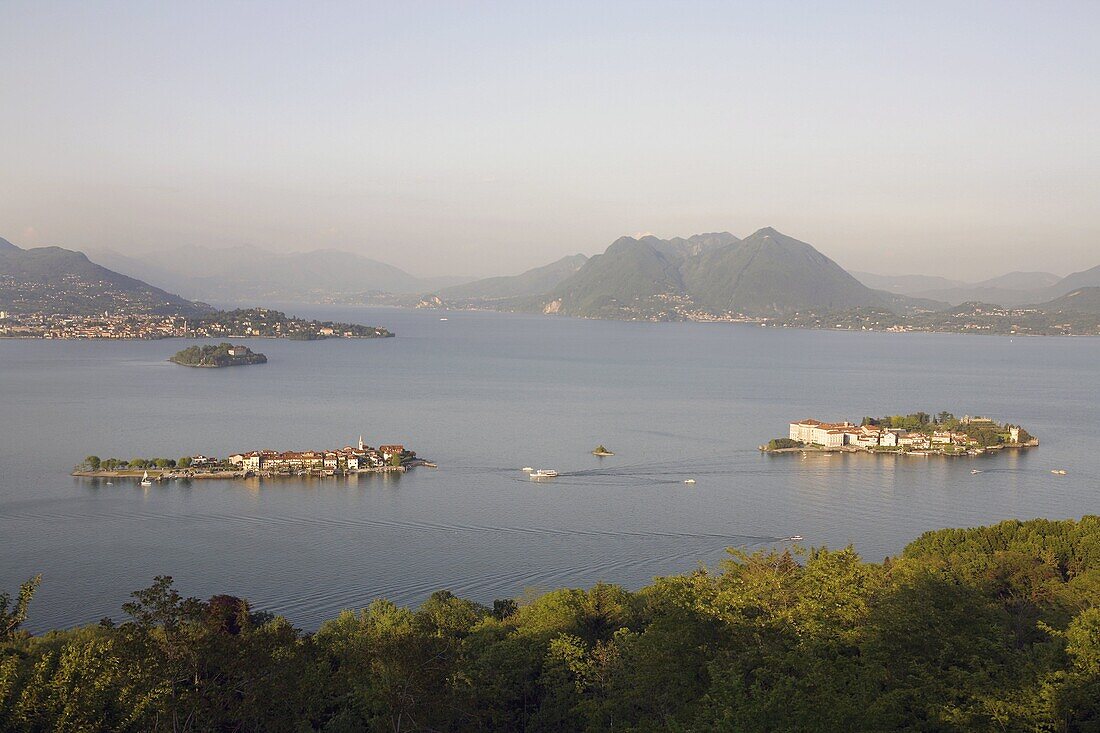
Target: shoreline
[217,366]
[169,474]
[880,452]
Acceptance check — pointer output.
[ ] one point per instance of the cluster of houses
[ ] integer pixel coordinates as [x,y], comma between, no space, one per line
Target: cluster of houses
[837,435]
[349,459]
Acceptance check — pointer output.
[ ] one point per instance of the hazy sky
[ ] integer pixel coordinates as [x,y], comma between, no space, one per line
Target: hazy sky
[954,138]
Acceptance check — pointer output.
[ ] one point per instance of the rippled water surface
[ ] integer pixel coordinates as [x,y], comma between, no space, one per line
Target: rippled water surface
[483,395]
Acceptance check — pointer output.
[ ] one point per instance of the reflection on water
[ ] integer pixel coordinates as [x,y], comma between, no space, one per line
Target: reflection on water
[484,395]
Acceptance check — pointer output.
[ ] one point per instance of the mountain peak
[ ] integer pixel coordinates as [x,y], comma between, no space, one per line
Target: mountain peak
[6,246]
[768,232]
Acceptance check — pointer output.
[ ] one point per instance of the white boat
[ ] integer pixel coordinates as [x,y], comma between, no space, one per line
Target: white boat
[974,471]
[689,481]
[544,473]
[109,483]
[795,538]
[442,319]
[145,479]
[1059,471]
[527,469]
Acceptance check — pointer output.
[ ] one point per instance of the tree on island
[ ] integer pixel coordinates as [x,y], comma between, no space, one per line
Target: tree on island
[184,462]
[92,462]
[782,443]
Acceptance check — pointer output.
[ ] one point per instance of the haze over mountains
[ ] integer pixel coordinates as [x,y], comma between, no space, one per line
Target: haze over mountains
[53,279]
[534,281]
[248,273]
[768,274]
[1012,289]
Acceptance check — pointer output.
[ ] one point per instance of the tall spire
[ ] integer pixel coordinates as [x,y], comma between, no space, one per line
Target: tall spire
[360,442]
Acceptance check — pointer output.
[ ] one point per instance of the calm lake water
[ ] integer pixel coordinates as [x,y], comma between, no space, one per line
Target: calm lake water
[484,395]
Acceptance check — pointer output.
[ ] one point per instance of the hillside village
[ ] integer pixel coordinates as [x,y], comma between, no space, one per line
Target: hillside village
[240,323]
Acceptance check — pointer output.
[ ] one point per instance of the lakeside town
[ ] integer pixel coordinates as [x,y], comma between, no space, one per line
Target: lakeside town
[915,434]
[241,323]
[345,461]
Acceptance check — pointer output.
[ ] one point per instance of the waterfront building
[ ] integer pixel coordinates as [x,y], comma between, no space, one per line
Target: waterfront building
[388,451]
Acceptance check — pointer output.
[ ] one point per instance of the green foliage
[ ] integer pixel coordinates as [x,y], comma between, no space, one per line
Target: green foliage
[184,462]
[217,356]
[986,434]
[14,613]
[782,443]
[985,629]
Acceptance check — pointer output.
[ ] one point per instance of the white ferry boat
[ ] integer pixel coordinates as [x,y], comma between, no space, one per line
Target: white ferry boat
[544,473]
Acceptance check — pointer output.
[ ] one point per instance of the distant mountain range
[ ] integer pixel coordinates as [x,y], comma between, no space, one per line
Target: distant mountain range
[56,280]
[765,274]
[716,275]
[247,273]
[1013,289]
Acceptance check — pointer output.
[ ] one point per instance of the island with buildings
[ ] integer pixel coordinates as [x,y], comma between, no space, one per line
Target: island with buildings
[915,434]
[215,357]
[349,460]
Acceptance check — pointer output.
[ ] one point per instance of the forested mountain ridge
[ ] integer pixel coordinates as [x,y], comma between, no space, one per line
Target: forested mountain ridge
[983,629]
[532,282]
[57,280]
[770,273]
[765,274]
[1082,300]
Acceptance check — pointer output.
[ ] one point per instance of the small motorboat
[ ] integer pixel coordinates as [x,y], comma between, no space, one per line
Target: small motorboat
[544,473]
[689,481]
[527,469]
[109,483]
[1059,472]
[442,319]
[145,479]
[795,538]
[974,471]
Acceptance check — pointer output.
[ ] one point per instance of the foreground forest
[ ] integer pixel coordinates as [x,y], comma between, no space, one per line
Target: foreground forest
[988,629]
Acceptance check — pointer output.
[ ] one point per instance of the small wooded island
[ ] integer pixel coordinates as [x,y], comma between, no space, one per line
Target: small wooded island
[919,434]
[224,354]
